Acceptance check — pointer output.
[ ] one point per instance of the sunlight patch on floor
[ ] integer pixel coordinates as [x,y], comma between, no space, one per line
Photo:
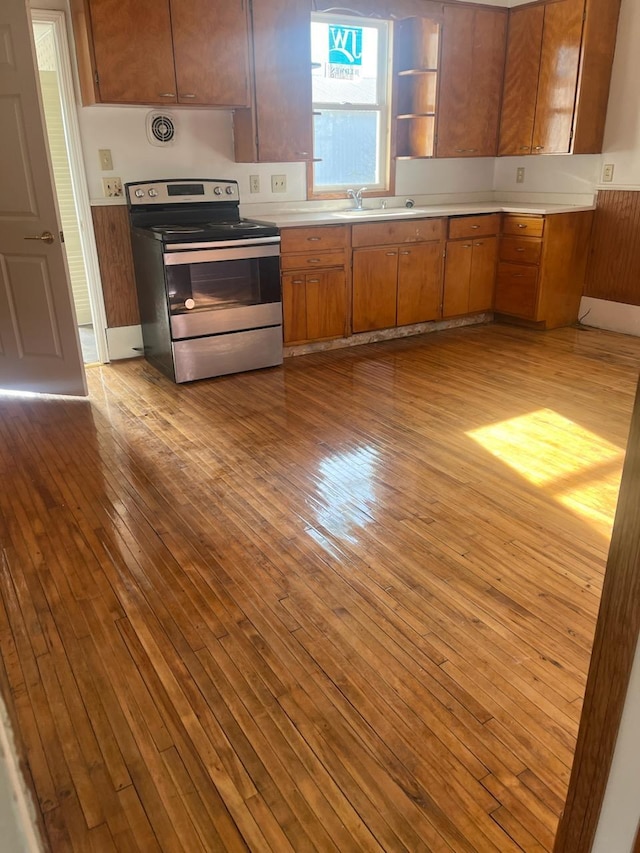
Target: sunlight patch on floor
[547,448]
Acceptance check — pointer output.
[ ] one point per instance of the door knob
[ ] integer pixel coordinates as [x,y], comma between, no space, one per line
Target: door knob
[46,237]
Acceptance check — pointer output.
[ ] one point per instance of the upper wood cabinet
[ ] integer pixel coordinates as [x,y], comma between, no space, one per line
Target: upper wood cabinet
[471,69]
[557,76]
[162,51]
[278,127]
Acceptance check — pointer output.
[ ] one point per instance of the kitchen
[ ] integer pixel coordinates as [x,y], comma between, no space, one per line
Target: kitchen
[121,129]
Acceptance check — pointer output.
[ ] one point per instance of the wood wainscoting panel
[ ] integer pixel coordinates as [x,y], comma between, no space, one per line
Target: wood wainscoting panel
[614,269]
[113,241]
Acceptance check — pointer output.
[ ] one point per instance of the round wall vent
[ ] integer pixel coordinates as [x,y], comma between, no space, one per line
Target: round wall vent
[161,129]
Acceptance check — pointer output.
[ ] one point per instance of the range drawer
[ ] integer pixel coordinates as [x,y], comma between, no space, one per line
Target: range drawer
[531,226]
[315,239]
[516,290]
[313,260]
[525,250]
[461,227]
[393,232]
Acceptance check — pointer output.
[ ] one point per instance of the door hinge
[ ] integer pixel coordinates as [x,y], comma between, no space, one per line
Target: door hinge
[95,78]
[62,236]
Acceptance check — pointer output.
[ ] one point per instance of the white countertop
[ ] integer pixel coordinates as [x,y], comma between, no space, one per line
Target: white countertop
[374,214]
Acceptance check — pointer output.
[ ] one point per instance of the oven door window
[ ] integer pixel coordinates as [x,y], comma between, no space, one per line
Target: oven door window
[221,285]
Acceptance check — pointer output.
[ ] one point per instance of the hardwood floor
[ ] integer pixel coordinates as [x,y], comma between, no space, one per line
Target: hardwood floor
[343,605]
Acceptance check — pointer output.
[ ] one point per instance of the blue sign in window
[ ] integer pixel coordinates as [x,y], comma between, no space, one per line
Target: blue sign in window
[345,45]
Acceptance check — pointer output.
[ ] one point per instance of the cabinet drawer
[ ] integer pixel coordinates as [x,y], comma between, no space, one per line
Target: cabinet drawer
[314,239]
[474,226]
[394,232]
[318,260]
[525,250]
[531,226]
[517,290]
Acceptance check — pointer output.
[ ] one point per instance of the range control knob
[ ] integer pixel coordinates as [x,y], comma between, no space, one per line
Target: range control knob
[217,190]
[153,193]
[189,303]
[139,193]
[229,190]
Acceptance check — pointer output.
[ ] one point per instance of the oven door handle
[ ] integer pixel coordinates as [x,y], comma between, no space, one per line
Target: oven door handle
[204,256]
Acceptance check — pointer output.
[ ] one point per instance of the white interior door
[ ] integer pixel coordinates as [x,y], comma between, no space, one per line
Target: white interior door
[39,346]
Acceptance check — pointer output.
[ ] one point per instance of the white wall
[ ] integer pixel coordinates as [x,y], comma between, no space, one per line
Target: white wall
[203,147]
[622,132]
[561,174]
[621,809]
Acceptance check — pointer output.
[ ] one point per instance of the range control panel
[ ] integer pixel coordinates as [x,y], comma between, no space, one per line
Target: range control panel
[181,191]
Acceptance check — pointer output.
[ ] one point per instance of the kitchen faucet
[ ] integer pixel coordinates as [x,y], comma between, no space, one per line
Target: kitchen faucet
[356,195]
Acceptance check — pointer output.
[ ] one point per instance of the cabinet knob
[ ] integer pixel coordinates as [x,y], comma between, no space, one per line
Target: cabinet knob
[313,239]
[313,281]
[538,147]
[298,281]
[466,245]
[519,250]
[481,243]
[314,261]
[184,95]
[474,227]
[518,275]
[392,254]
[405,252]
[521,225]
[167,95]
[525,148]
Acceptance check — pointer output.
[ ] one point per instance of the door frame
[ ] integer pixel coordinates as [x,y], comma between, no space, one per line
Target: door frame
[612,657]
[58,20]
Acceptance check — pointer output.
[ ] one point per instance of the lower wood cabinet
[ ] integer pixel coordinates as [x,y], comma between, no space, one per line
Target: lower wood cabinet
[542,268]
[315,305]
[399,282]
[314,283]
[470,265]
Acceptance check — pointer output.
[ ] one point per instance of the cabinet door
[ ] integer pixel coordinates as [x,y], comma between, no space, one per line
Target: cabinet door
[278,128]
[524,43]
[472,64]
[483,274]
[294,308]
[133,51]
[375,277]
[559,63]
[517,290]
[326,304]
[457,275]
[419,283]
[211,49]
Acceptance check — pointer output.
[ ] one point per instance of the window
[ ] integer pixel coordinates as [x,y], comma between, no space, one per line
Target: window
[351,82]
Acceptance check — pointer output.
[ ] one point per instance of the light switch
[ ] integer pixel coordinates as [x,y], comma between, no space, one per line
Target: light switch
[106,161]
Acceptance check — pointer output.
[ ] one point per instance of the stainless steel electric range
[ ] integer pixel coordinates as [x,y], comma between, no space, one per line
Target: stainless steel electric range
[208,281]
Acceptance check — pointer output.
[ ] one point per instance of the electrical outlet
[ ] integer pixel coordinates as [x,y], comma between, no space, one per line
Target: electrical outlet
[278,183]
[520,175]
[607,172]
[106,161]
[112,187]
[254,183]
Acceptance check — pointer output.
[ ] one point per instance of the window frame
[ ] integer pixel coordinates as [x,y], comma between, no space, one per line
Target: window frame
[383,105]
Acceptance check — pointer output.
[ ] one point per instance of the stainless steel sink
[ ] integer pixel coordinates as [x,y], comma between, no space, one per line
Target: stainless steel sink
[379,213]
